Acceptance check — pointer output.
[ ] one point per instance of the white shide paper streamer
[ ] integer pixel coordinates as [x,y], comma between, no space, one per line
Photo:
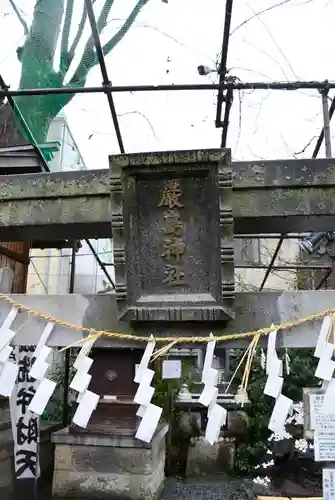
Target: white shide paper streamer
[216,414]
[38,371]
[280,413]
[88,400]
[274,385]
[8,369]
[274,369]
[323,336]
[149,413]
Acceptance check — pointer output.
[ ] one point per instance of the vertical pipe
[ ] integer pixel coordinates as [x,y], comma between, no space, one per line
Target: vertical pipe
[274,256]
[332,274]
[326,124]
[73,267]
[328,150]
[65,419]
[223,62]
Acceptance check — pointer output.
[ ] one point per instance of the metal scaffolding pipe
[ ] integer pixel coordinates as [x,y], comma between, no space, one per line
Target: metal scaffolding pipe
[317,85]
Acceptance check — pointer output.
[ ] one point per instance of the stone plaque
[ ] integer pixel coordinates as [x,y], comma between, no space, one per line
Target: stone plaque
[173,236]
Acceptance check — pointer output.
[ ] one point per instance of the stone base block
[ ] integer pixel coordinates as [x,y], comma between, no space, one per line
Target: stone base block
[7,474]
[206,459]
[96,466]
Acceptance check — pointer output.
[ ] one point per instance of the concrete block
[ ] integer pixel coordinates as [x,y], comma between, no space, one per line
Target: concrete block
[113,467]
[114,460]
[6,473]
[112,486]
[5,421]
[63,457]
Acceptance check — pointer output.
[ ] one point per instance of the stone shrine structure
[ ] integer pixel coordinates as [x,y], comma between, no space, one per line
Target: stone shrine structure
[173,216]
[172,226]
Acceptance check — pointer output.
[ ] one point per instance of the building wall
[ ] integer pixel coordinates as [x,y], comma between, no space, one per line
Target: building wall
[68,157]
[259,253]
[49,270]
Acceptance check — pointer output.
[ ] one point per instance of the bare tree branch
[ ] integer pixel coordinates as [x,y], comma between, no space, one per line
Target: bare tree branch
[124,29]
[267,55]
[65,35]
[19,16]
[140,24]
[89,57]
[78,34]
[305,147]
[143,116]
[258,14]
[102,20]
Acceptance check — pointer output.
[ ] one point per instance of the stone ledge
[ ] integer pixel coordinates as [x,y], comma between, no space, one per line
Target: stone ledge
[170,157]
[109,459]
[63,436]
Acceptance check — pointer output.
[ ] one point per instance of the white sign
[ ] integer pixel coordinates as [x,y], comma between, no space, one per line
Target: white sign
[171,368]
[318,420]
[328,484]
[324,446]
[25,425]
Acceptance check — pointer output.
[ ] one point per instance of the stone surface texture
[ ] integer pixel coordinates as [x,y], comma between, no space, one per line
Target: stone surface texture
[7,476]
[194,188]
[103,467]
[206,459]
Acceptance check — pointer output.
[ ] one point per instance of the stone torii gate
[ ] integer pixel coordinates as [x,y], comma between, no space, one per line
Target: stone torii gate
[172,216]
[242,198]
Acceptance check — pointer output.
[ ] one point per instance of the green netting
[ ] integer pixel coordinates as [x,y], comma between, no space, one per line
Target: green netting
[58,31]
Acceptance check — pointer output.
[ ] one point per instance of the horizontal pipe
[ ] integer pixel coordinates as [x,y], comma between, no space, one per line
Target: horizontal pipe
[164,88]
[291,267]
[276,236]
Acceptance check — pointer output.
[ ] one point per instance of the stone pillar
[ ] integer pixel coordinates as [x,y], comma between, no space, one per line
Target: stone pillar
[119,467]
[172,223]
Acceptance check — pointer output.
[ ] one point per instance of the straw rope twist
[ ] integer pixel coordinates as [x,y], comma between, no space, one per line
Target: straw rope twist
[92,333]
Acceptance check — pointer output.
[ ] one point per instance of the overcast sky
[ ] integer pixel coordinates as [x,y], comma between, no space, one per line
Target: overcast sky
[166,44]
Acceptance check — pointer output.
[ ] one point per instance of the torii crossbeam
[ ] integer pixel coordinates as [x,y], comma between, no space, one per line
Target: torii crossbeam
[218,199]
